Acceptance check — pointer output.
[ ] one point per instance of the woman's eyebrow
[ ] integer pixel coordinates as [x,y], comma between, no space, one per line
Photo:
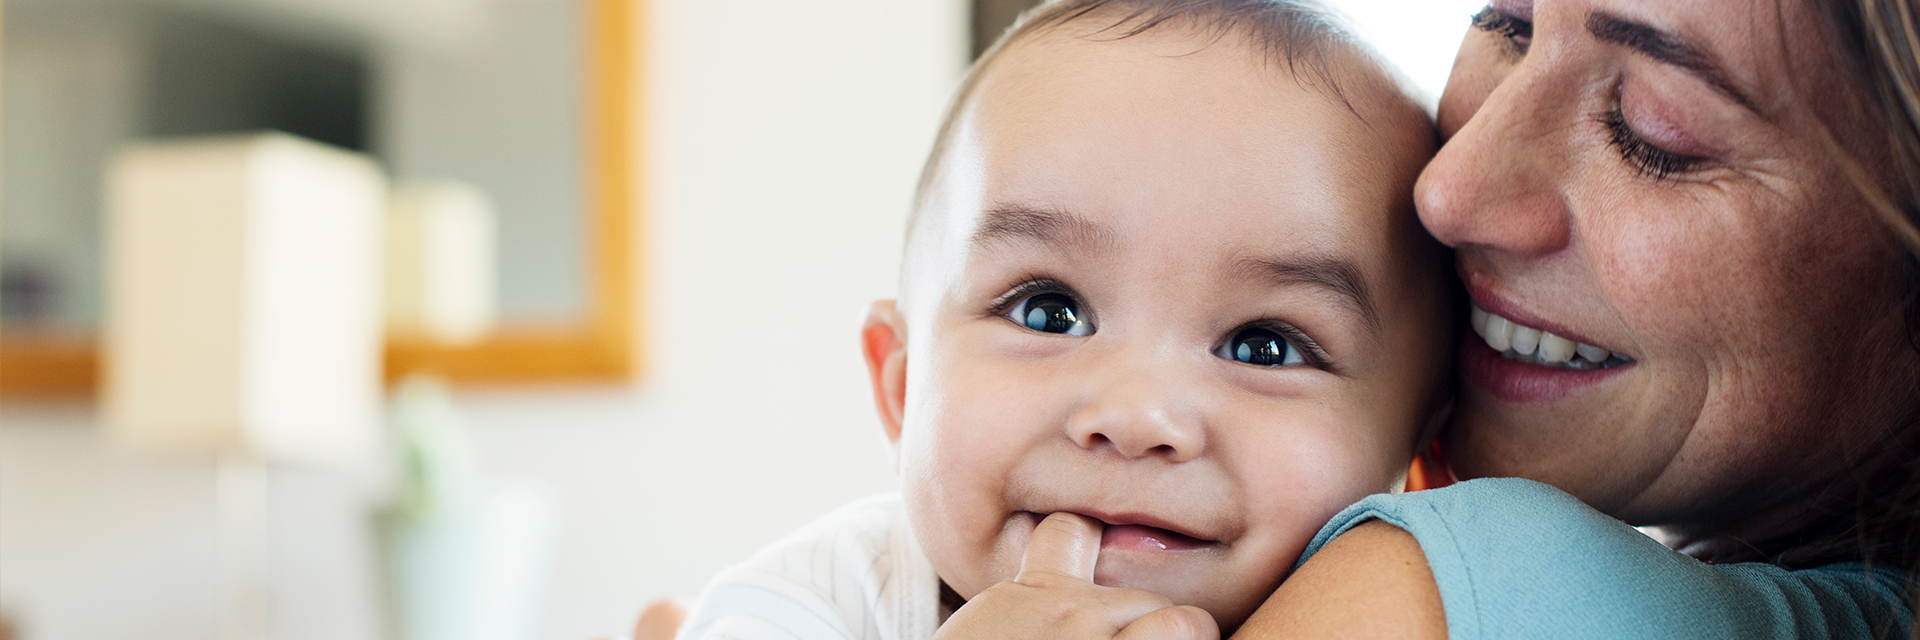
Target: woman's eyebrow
[1668,48]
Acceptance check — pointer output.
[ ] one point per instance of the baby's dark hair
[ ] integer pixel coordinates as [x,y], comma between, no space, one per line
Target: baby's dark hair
[1303,35]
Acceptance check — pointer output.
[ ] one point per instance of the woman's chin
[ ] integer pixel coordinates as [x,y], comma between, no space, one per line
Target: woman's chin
[1577,430]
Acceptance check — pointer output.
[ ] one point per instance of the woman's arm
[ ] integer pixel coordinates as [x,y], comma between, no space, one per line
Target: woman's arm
[1371,582]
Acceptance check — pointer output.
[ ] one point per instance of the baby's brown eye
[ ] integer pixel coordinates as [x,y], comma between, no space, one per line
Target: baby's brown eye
[1051,313]
[1260,347]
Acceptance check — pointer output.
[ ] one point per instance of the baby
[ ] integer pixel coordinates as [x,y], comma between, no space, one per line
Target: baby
[1165,276]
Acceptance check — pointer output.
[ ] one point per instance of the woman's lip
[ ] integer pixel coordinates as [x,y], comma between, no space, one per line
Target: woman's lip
[1520,382]
[1483,297]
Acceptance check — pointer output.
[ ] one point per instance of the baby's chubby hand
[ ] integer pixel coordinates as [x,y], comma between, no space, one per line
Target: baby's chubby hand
[1055,597]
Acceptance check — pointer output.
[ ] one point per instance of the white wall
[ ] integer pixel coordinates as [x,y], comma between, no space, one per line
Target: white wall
[1418,36]
[789,136]
[786,140]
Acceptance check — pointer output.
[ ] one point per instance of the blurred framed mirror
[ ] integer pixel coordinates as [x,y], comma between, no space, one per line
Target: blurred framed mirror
[533,105]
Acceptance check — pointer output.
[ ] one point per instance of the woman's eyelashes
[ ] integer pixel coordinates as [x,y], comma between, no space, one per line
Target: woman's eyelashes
[1049,312]
[1644,156]
[1518,33]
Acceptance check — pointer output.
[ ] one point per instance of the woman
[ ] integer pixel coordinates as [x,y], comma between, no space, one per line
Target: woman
[1720,193]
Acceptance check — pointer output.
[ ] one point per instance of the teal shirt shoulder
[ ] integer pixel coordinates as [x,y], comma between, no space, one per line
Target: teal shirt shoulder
[1518,559]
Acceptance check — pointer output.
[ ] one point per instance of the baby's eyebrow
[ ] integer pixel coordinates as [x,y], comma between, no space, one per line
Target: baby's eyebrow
[1336,275]
[1052,227]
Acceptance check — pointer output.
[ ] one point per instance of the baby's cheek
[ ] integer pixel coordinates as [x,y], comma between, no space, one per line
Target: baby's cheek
[1319,469]
[935,534]
[962,561]
[952,520]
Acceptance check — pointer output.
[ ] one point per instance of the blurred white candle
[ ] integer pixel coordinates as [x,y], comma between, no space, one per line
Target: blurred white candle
[243,298]
[442,282]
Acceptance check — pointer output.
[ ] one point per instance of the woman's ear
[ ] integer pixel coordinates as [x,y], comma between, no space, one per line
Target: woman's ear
[883,340]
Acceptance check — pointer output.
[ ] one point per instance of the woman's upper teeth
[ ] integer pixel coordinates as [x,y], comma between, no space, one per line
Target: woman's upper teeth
[1527,344]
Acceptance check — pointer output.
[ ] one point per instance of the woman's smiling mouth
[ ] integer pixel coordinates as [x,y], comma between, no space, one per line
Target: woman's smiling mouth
[1521,343]
[1519,363]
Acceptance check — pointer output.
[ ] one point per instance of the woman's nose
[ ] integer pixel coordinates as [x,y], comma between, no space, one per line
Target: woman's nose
[1139,416]
[1492,184]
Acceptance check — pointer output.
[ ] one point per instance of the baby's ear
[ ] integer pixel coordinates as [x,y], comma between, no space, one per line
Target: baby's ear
[883,340]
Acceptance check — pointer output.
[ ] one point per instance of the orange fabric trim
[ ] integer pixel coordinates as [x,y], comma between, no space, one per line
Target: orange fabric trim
[1429,470]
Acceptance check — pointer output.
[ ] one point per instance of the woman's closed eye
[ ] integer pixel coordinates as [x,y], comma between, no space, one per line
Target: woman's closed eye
[1517,32]
[1643,155]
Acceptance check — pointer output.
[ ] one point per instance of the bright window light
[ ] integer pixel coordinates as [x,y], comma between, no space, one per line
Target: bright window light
[1420,36]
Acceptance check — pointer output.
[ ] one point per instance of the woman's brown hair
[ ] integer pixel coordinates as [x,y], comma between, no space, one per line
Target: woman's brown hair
[1878,43]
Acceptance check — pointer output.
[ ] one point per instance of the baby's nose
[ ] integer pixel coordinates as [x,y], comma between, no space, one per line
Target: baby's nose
[1137,424]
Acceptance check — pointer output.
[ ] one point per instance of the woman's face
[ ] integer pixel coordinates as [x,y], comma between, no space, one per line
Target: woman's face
[1646,182]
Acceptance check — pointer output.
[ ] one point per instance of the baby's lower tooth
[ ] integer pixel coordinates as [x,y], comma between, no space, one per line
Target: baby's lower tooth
[1525,339]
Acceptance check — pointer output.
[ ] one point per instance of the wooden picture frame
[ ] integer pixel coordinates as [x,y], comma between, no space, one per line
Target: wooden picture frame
[602,346]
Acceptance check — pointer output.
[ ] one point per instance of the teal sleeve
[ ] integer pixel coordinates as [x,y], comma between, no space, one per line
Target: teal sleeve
[1518,559]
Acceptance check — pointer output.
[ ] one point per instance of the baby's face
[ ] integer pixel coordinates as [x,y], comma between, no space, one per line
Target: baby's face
[1174,291]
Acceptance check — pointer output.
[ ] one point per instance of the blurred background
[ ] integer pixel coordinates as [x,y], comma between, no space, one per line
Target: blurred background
[643,234]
